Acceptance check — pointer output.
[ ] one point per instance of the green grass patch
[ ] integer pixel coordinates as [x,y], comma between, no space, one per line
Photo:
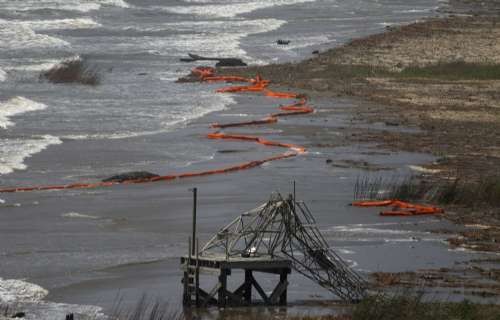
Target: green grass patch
[413,307]
[457,70]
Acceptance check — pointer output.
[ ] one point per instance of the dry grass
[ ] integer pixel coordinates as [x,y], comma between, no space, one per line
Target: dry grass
[483,193]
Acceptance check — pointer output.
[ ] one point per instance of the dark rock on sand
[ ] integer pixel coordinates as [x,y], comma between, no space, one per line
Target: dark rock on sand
[221,62]
[134,175]
[230,62]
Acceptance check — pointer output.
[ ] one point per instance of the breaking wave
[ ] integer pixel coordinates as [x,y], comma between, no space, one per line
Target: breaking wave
[209,9]
[16,106]
[66,5]
[15,36]
[13,152]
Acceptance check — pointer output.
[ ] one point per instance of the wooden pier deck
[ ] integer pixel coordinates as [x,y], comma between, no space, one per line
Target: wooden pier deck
[222,265]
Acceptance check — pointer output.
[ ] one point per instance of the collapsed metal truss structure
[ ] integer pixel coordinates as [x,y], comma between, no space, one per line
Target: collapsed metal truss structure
[285,228]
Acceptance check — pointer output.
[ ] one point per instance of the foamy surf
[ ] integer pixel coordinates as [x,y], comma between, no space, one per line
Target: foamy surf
[76,215]
[214,38]
[3,75]
[20,291]
[22,296]
[65,5]
[168,120]
[15,151]
[16,106]
[66,24]
[208,9]
[15,36]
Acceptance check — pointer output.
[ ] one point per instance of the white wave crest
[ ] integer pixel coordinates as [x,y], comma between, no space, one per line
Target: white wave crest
[20,291]
[16,106]
[3,75]
[78,23]
[214,37]
[230,10]
[78,216]
[176,118]
[66,5]
[15,36]
[13,152]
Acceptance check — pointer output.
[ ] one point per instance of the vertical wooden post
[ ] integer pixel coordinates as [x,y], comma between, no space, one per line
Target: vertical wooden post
[195,196]
[222,288]
[197,276]
[283,280]
[248,286]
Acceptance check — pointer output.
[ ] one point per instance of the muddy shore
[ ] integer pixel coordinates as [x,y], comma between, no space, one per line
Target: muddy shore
[458,115]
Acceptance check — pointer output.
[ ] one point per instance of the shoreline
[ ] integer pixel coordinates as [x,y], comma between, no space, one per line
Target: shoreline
[458,120]
[407,77]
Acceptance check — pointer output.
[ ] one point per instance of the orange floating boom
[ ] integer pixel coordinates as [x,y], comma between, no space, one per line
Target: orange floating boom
[208,74]
[411,209]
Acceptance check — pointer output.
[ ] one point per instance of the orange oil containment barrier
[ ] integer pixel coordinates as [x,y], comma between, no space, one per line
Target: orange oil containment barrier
[410,209]
[208,74]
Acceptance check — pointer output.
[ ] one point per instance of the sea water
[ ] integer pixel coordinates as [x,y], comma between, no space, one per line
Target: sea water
[137,118]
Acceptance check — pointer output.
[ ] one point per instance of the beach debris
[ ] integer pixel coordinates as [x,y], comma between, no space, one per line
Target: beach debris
[283,42]
[221,62]
[400,208]
[315,52]
[131,176]
[208,75]
[284,228]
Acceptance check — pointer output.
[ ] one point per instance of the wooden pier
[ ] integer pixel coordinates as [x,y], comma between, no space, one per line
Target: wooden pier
[222,266]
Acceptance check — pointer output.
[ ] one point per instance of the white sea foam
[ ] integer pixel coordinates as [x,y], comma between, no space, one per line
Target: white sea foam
[220,38]
[369,230]
[38,65]
[3,75]
[20,291]
[29,298]
[231,10]
[67,5]
[16,106]
[176,118]
[78,216]
[78,23]
[15,36]
[2,201]
[13,152]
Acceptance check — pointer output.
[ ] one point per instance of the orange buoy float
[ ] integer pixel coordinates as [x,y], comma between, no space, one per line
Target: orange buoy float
[410,209]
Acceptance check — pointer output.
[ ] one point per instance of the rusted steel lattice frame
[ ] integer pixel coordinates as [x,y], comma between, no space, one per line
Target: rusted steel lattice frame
[286,229]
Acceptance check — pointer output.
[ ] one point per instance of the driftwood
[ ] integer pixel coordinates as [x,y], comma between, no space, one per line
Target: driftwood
[222,62]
